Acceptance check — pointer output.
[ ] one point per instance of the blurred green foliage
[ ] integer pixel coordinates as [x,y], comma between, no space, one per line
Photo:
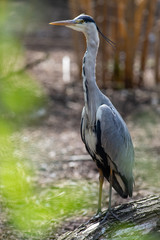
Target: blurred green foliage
[20,95]
[29,208]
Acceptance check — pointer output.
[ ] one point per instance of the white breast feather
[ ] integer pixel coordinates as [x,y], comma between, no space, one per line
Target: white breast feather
[91,140]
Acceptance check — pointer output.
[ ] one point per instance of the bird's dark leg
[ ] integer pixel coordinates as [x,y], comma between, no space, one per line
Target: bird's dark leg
[110,189]
[98,214]
[110,211]
[101,180]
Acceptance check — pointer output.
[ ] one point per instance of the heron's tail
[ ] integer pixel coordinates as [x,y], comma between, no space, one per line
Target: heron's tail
[123,186]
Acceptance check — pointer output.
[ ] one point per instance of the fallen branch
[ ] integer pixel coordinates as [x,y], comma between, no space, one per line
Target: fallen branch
[137,218]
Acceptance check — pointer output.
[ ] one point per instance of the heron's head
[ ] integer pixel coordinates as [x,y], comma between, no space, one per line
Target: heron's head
[83,23]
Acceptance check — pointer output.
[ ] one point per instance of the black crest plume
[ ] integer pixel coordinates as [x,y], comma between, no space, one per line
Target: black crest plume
[111,43]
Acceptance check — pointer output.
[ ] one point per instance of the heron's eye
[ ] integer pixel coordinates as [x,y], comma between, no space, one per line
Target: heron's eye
[80,21]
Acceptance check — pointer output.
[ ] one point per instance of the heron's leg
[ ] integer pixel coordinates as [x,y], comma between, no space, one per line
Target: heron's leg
[110,188]
[110,211]
[101,180]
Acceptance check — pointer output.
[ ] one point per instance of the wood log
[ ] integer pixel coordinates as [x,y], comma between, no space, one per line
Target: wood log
[136,218]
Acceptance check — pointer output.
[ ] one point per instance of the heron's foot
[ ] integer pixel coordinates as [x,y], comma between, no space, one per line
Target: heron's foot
[98,214]
[108,213]
[95,217]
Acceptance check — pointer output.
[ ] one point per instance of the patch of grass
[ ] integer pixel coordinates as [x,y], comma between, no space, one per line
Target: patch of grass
[147,168]
[146,132]
[33,211]
[145,116]
[128,231]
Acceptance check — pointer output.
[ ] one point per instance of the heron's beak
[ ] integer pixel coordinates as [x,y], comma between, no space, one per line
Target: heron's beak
[66,23]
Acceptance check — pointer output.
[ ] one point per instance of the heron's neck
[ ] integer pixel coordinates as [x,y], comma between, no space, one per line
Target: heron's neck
[90,87]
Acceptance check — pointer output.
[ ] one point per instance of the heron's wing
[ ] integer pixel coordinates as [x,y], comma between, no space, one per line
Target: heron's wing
[115,140]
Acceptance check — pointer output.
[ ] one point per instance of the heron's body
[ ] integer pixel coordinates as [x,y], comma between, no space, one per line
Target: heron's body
[103,130]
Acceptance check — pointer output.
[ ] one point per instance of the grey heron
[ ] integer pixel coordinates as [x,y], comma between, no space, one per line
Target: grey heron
[103,130]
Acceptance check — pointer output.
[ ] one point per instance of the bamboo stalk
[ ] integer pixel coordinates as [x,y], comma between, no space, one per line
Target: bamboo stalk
[157,54]
[139,14]
[120,35]
[130,49]
[151,6]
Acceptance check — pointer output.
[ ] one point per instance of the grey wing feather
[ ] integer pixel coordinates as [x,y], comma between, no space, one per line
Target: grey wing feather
[116,140]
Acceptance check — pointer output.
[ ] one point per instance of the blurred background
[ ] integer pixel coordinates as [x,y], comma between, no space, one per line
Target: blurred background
[48,183]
